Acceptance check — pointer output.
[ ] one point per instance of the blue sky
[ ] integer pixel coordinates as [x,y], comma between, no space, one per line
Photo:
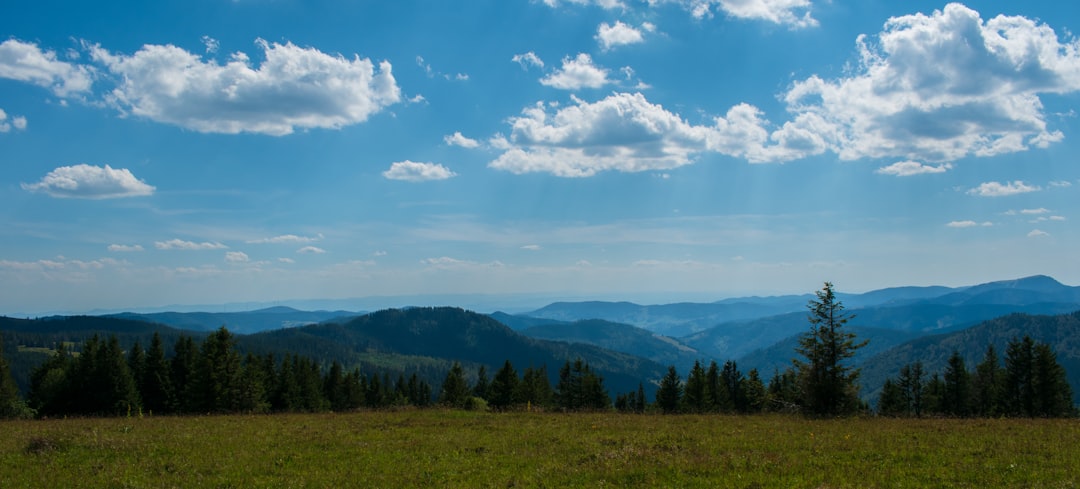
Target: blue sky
[211,152]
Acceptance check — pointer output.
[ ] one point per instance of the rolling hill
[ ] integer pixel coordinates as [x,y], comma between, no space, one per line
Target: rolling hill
[619,337]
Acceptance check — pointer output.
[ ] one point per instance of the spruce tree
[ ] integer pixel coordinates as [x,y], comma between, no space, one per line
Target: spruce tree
[156,386]
[829,385]
[504,389]
[987,385]
[694,397]
[957,396]
[670,393]
[455,389]
[11,403]
[1053,395]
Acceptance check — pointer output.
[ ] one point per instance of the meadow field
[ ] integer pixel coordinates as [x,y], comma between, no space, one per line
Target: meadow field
[442,448]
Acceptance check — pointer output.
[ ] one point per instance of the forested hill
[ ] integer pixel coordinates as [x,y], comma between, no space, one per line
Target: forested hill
[451,334]
[1061,332]
[619,337]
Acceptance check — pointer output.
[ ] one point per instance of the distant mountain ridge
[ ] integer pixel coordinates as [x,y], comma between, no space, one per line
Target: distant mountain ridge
[275,317]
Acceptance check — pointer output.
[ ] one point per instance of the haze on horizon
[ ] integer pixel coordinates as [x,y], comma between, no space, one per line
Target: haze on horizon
[160,153]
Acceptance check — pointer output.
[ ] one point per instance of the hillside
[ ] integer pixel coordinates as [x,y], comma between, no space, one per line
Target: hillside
[450,334]
[239,322]
[619,337]
[1061,331]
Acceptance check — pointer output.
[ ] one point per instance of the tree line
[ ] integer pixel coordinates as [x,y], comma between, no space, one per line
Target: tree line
[213,377]
[1030,383]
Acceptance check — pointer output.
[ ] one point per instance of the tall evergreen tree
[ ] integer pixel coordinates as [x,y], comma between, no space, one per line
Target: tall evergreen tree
[504,388]
[455,389]
[891,401]
[11,403]
[217,374]
[1019,377]
[829,385]
[535,388]
[912,385]
[50,383]
[156,386]
[483,385]
[957,395]
[182,374]
[1053,395]
[717,396]
[731,386]
[988,384]
[670,393]
[753,393]
[694,397]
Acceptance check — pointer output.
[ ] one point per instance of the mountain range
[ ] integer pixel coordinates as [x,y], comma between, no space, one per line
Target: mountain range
[626,342]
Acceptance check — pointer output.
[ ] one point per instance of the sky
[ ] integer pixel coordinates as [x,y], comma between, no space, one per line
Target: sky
[214,151]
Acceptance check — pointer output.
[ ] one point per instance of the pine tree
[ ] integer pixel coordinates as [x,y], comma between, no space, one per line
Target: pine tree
[1019,377]
[156,386]
[217,374]
[731,386]
[669,395]
[504,388]
[912,386]
[717,396]
[829,385]
[987,385]
[182,375]
[957,395]
[11,403]
[694,397]
[483,385]
[535,388]
[1053,395]
[891,401]
[754,393]
[455,390]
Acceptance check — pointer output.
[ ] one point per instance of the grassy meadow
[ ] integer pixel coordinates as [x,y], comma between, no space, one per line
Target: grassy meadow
[436,448]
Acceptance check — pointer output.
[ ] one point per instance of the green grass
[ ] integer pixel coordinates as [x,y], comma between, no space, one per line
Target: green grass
[434,448]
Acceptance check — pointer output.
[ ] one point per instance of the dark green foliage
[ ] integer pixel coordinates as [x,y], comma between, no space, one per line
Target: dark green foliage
[580,388]
[892,401]
[731,388]
[535,388]
[783,392]
[455,390]
[483,385]
[694,397]
[828,382]
[956,398]
[1053,395]
[155,386]
[216,385]
[504,391]
[11,403]
[988,385]
[670,393]
[754,393]
[182,375]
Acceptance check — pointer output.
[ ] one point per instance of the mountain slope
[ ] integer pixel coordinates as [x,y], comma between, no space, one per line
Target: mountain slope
[1061,332]
[453,334]
[619,337]
[239,322]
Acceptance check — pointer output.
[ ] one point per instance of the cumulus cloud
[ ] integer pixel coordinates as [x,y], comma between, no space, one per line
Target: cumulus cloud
[236,257]
[293,88]
[179,244]
[910,168]
[286,238]
[286,260]
[577,73]
[794,13]
[941,87]
[619,34]
[997,189]
[311,250]
[120,248]
[456,139]
[528,59]
[411,171]
[1037,233]
[16,122]
[26,62]
[625,132]
[606,4]
[1061,183]
[90,182]
[968,224]
[531,247]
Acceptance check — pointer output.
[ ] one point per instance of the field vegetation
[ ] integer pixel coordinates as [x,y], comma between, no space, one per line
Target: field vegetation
[454,448]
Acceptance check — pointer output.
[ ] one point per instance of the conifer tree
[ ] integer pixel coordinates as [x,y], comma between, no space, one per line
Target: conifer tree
[11,403]
[1053,395]
[455,389]
[1019,377]
[504,390]
[156,386]
[670,393]
[694,397]
[829,385]
[483,385]
[912,386]
[988,384]
[535,388]
[891,401]
[754,393]
[957,395]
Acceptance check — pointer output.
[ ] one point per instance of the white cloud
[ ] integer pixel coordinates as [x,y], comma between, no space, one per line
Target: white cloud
[286,238]
[528,59]
[212,45]
[311,250]
[26,62]
[179,244]
[293,88]
[1061,183]
[940,87]
[457,139]
[997,189]
[1036,233]
[379,253]
[90,182]
[412,171]
[17,122]
[625,132]
[286,260]
[531,247]
[910,168]
[968,224]
[577,73]
[619,34]
[1040,210]
[120,248]
[606,4]
[236,257]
